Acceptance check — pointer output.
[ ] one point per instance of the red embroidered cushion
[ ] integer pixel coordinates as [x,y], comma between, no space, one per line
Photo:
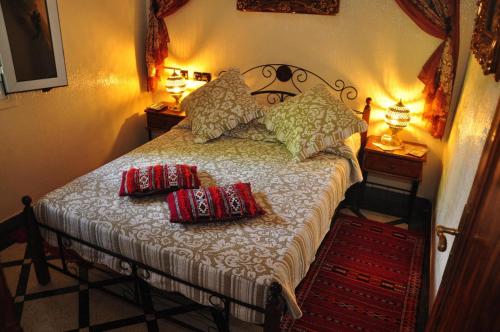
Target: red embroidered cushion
[216,203]
[158,179]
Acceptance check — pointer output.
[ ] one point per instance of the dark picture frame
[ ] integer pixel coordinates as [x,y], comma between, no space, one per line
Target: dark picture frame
[486,37]
[31,51]
[318,7]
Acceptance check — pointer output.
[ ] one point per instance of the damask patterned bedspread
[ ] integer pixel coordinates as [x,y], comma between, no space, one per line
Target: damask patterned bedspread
[239,259]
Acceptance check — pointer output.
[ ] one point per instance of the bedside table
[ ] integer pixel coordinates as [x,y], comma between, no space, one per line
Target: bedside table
[162,121]
[397,164]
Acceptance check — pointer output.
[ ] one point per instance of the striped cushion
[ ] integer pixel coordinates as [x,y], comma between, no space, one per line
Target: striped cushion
[158,179]
[216,203]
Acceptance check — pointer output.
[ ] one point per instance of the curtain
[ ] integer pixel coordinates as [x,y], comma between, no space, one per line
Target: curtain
[157,37]
[439,18]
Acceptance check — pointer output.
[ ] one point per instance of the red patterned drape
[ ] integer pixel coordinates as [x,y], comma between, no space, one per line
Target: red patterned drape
[157,38]
[439,18]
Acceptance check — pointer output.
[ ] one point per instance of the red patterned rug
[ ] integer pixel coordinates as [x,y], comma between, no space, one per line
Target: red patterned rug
[366,277]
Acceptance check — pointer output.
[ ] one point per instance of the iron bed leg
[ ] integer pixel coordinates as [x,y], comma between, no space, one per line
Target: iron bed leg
[35,243]
[220,314]
[220,320]
[274,308]
[148,306]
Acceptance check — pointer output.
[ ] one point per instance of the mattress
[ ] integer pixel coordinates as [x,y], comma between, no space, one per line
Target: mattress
[238,259]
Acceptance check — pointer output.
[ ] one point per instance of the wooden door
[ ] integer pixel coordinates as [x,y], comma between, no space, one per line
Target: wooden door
[469,296]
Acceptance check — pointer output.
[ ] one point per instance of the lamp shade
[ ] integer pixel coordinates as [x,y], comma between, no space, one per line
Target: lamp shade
[397,116]
[175,85]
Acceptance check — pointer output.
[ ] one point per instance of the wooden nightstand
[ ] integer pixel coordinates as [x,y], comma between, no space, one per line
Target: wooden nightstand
[398,164]
[162,121]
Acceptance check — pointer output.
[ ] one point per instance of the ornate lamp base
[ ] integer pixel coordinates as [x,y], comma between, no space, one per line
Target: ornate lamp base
[176,107]
[392,140]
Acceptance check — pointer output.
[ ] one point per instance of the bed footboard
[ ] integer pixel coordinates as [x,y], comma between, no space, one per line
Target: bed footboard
[275,304]
[275,308]
[35,242]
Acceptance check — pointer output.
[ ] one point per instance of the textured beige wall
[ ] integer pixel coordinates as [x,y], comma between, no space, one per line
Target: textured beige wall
[48,139]
[478,102]
[371,44]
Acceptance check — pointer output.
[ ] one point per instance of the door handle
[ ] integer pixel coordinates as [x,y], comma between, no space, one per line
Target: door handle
[440,231]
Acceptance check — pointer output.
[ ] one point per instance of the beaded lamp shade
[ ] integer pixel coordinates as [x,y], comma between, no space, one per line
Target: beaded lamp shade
[397,116]
[175,86]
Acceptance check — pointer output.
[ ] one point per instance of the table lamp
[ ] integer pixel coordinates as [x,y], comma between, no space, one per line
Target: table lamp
[397,118]
[175,85]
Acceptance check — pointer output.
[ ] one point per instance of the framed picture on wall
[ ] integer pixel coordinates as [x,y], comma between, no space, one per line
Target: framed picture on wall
[486,37]
[31,51]
[318,7]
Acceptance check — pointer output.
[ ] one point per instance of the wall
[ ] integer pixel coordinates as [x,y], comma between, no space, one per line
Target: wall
[468,10]
[370,44]
[478,102]
[48,139]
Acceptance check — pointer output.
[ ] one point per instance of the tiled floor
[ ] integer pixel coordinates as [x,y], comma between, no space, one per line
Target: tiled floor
[66,308]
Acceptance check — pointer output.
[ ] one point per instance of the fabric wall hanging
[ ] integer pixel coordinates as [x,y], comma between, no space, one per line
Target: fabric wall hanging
[157,37]
[439,18]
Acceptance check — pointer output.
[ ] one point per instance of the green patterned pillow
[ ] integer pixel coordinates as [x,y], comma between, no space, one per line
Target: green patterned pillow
[312,122]
[219,106]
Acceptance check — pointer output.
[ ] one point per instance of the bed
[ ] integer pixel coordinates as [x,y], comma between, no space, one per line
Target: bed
[248,269]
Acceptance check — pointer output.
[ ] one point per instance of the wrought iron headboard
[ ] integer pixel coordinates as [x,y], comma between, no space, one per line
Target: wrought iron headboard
[295,77]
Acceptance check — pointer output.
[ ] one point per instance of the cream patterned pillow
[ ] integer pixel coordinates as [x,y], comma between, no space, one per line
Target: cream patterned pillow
[312,122]
[219,106]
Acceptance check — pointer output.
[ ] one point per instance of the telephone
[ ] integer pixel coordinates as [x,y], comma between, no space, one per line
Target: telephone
[158,106]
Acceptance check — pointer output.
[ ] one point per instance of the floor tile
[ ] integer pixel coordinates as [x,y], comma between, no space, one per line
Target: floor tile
[14,252]
[12,277]
[137,328]
[240,326]
[165,325]
[57,280]
[105,308]
[57,313]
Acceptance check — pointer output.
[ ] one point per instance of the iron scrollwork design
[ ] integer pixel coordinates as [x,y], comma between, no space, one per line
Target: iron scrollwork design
[274,97]
[125,266]
[217,302]
[67,243]
[345,90]
[295,76]
[133,269]
[144,274]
